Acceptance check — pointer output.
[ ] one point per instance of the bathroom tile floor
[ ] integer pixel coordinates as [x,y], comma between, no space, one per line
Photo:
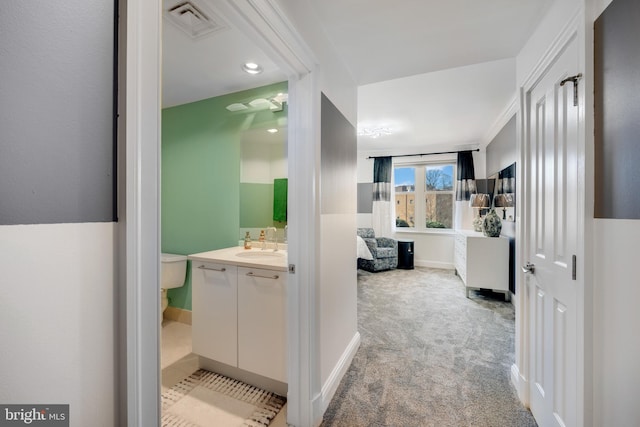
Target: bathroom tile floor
[177,361]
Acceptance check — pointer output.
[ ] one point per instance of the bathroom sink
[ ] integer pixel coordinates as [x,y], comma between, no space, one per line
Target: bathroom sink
[261,254]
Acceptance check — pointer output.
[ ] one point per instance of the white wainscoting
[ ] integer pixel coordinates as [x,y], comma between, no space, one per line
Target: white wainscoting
[57,318]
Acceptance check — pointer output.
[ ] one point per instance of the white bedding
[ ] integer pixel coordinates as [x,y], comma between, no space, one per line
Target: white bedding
[363,249]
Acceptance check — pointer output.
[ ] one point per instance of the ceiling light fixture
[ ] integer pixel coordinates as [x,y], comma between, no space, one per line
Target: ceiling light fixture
[375,132]
[260,103]
[275,104]
[251,68]
[236,107]
[281,97]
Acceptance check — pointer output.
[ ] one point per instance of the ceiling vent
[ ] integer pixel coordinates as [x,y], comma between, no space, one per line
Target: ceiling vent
[193,19]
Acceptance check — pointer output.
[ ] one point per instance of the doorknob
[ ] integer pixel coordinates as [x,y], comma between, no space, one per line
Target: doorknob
[529,268]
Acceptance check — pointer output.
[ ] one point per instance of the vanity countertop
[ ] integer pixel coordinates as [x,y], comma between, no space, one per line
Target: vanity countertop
[238,255]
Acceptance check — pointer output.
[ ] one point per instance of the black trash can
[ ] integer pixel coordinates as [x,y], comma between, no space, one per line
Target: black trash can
[405,254]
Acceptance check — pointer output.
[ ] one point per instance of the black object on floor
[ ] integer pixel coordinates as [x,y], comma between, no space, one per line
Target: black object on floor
[405,254]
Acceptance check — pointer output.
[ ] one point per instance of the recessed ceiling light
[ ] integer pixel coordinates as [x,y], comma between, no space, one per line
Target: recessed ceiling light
[251,68]
[272,130]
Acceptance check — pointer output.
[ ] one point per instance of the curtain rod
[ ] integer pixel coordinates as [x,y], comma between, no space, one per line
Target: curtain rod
[422,154]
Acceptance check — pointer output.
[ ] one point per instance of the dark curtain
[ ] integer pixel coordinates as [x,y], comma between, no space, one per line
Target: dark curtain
[466,182]
[382,179]
[507,180]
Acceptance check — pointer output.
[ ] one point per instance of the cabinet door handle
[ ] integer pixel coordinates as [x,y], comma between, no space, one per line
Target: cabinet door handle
[274,277]
[202,267]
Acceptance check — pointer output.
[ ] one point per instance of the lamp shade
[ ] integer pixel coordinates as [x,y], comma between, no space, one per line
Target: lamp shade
[480,201]
[504,200]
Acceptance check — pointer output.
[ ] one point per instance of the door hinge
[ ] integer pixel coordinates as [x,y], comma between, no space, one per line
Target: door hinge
[292,268]
[573,268]
[574,80]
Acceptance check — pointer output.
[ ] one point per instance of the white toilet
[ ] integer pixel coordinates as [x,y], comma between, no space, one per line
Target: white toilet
[172,275]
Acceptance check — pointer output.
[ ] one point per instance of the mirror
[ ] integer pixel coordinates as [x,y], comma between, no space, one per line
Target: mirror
[504,193]
[263,167]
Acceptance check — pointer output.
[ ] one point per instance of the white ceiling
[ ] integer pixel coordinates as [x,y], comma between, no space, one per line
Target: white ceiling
[438,111]
[382,40]
[196,69]
[438,72]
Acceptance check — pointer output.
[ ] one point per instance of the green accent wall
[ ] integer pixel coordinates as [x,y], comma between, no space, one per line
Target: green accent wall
[200,179]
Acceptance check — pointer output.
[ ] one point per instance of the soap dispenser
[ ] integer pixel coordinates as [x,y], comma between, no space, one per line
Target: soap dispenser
[247,241]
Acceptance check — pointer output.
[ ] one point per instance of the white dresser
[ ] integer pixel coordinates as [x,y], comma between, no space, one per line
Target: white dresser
[482,262]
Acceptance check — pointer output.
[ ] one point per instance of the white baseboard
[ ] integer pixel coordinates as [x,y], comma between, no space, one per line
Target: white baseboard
[520,383]
[434,264]
[178,314]
[321,402]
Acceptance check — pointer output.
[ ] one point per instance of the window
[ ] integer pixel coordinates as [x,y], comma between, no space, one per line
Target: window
[439,196]
[435,188]
[404,179]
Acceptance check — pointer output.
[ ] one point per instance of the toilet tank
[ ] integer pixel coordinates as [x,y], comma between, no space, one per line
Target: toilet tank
[174,270]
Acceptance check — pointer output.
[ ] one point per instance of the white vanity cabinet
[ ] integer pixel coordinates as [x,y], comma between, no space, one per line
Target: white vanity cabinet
[482,262]
[261,322]
[214,311]
[239,312]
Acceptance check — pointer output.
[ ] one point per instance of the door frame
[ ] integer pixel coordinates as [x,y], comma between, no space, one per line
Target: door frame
[139,229]
[575,28]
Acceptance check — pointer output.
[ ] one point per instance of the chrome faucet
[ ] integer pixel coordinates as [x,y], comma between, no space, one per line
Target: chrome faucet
[272,231]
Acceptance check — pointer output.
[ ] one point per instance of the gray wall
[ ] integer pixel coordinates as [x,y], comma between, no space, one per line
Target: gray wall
[338,161]
[365,197]
[59,316]
[617,111]
[502,151]
[56,111]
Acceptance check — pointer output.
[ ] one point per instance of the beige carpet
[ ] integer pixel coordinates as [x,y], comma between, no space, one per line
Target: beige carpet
[207,399]
[429,356]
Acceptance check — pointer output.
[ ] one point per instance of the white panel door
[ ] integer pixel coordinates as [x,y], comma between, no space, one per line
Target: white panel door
[551,241]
